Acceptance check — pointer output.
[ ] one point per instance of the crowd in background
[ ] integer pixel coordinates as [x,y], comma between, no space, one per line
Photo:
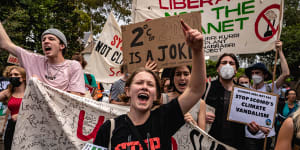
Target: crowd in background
[68,75]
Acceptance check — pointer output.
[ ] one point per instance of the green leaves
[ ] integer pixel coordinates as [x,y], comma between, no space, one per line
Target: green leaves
[25,20]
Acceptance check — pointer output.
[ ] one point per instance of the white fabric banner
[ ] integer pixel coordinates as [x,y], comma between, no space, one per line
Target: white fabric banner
[53,119]
[107,55]
[240,27]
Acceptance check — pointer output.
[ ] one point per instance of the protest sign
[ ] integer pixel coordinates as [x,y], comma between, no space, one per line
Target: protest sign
[248,105]
[53,119]
[89,146]
[161,40]
[107,55]
[12,59]
[229,26]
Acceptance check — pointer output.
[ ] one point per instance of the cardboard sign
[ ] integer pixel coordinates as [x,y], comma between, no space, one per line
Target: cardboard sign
[12,59]
[248,105]
[229,26]
[161,40]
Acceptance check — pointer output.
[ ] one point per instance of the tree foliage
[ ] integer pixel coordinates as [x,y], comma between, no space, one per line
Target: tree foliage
[26,20]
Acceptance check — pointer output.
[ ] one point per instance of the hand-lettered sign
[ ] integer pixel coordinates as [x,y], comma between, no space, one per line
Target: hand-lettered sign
[254,105]
[53,119]
[160,40]
[12,59]
[229,26]
[107,55]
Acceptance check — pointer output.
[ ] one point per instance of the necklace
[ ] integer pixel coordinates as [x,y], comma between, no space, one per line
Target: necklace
[49,75]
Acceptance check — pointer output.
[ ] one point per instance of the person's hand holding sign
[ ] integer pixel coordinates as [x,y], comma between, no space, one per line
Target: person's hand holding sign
[193,37]
[278,45]
[253,127]
[151,65]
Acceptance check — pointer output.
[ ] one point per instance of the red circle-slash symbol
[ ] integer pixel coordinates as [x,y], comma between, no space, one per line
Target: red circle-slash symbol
[262,15]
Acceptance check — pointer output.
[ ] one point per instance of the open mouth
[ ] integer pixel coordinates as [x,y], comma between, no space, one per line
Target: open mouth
[143,96]
[182,84]
[47,48]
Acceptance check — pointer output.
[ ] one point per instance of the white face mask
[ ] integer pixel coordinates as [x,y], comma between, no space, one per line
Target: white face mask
[246,85]
[257,79]
[227,72]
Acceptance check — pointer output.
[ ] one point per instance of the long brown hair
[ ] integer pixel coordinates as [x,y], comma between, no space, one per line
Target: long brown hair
[123,97]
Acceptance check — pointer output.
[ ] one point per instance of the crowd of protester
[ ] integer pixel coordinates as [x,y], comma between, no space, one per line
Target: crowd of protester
[158,106]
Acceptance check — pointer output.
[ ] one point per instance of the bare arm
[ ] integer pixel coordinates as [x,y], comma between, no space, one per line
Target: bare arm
[4,94]
[283,63]
[196,86]
[285,135]
[202,115]
[78,93]
[5,42]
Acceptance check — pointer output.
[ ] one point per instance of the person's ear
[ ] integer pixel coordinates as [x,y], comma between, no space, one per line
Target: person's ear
[62,46]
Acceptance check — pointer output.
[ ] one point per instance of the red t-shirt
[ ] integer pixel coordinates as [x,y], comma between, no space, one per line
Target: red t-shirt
[14,105]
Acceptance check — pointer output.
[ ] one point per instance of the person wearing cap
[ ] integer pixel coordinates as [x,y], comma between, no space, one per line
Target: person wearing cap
[52,69]
[259,74]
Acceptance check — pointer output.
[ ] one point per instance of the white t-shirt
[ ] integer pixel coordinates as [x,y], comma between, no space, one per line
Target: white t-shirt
[67,76]
[260,134]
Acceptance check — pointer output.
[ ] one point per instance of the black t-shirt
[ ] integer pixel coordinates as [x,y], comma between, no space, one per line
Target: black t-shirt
[157,130]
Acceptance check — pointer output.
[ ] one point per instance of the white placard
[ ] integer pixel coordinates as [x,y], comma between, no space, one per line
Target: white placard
[107,55]
[229,26]
[248,105]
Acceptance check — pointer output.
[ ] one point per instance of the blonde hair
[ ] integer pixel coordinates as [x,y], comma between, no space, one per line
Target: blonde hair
[10,87]
[6,71]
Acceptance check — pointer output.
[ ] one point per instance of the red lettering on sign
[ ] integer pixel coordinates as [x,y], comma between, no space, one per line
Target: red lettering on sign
[205,1]
[179,4]
[153,142]
[113,73]
[80,126]
[190,2]
[116,42]
[187,4]
[162,7]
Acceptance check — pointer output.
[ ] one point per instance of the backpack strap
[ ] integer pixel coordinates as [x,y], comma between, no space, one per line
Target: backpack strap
[112,127]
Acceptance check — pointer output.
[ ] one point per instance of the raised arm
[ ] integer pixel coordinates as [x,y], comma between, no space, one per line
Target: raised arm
[196,86]
[284,66]
[5,42]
